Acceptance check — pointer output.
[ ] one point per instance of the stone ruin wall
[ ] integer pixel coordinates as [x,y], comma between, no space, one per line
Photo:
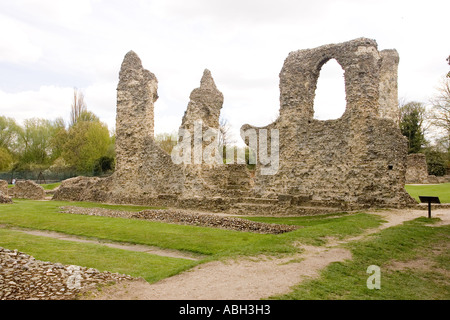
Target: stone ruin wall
[4,187]
[417,170]
[358,160]
[27,189]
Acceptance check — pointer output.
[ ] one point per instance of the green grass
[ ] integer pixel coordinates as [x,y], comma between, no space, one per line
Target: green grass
[346,280]
[150,267]
[50,186]
[121,207]
[215,243]
[46,186]
[438,190]
[316,229]
[207,241]
[407,242]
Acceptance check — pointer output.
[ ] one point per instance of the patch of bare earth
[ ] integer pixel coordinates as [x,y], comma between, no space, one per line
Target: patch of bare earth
[425,263]
[247,279]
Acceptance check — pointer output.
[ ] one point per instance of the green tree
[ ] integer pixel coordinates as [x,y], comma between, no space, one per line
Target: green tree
[103,165]
[35,142]
[58,139]
[436,161]
[412,116]
[166,141]
[87,141]
[9,133]
[6,159]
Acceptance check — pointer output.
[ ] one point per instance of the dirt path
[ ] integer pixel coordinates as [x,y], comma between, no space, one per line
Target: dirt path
[243,279]
[247,279]
[131,247]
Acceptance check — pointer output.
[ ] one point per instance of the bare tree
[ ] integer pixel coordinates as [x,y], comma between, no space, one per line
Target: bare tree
[441,106]
[225,136]
[448,59]
[440,115]
[78,107]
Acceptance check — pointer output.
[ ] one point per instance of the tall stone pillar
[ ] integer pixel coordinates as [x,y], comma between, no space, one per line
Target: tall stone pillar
[388,88]
[136,95]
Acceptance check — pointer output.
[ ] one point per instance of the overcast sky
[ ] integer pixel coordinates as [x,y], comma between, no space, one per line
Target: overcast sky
[48,47]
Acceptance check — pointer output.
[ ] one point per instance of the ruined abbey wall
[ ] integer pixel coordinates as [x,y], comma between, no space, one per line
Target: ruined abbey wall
[358,160]
[416,168]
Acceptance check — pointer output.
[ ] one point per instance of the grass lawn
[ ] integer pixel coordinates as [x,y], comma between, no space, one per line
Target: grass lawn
[412,244]
[409,242]
[211,242]
[150,267]
[437,190]
[45,215]
[46,186]
[50,186]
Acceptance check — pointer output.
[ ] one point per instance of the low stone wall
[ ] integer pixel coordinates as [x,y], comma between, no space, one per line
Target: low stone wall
[4,186]
[4,198]
[416,169]
[187,218]
[27,190]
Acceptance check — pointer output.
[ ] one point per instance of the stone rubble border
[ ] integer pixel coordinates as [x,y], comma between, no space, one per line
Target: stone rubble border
[22,277]
[187,218]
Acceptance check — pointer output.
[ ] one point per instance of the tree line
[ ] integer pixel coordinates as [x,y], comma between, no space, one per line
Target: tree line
[84,145]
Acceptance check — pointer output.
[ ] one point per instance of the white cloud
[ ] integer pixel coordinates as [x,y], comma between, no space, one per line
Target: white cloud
[65,14]
[243,43]
[49,102]
[100,99]
[16,46]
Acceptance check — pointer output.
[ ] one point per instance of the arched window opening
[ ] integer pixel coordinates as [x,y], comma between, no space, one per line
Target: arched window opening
[329,101]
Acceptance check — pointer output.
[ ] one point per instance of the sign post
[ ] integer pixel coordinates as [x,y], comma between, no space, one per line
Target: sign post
[429,200]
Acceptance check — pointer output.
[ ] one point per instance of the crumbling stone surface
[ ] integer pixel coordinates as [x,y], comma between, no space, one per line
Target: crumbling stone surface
[201,120]
[4,186]
[416,168]
[204,105]
[22,277]
[27,190]
[4,198]
[136,95]
[417,171]
[186,218]
[444,179]
[80,188]
[358,160]
[388,96]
